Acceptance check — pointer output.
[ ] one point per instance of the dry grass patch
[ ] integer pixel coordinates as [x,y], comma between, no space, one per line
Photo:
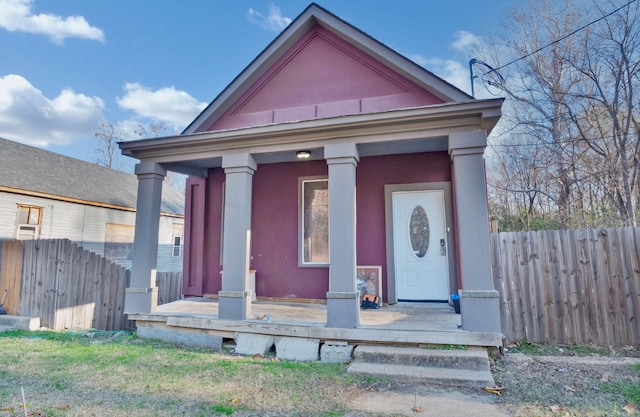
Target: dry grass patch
[71,374]
[551,381]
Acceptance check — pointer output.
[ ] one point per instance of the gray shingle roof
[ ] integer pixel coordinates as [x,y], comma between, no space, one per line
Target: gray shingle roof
[27,168]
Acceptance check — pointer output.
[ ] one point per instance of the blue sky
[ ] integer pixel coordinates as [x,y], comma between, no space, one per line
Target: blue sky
[66,66]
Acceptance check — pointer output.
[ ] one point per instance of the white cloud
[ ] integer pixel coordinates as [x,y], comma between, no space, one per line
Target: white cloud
[467,42]
[27,116]
[166,104]
[16,15]
[419,59]
[450,70]
[274,21]
[454,71]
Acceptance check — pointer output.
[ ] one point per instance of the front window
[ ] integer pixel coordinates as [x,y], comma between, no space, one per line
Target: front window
[29,218]
[314,217]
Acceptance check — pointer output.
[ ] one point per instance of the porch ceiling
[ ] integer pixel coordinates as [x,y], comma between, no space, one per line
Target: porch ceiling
[421,129]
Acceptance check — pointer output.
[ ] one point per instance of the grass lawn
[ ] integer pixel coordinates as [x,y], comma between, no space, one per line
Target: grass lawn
[94,374]
[98,374]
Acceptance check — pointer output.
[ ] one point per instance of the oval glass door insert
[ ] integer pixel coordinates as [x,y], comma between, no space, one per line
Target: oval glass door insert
[419,231]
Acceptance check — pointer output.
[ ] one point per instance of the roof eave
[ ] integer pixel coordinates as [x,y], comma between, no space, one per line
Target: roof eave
[470,115]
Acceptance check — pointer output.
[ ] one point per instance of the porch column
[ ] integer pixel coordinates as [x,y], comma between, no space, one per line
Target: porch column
[141,296]
[235,298]
[343,308]
[479,302]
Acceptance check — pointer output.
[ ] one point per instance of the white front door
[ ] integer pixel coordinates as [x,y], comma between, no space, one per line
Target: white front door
[420,246]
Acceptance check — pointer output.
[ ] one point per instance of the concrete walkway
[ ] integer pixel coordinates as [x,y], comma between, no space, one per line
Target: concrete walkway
[436,403]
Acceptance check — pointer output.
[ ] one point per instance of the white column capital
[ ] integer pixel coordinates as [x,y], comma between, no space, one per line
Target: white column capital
[341,153]
[465,143]
[239,162]
[149,168]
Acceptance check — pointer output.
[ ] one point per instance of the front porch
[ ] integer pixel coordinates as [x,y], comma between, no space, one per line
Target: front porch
[407,324]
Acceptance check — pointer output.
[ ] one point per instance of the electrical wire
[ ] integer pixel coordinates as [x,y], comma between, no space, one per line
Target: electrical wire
[565,37]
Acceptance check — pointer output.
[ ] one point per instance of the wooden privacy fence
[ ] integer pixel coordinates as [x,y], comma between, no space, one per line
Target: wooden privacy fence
[69,287]
[169,286]
[569,286]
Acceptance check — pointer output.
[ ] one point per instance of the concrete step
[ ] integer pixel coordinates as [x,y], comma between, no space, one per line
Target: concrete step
[424,375]
[472,358]
[19,322]
[468,367]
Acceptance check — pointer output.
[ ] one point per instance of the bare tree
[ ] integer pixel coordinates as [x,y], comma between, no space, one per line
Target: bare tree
[108,152]
[108,137]
[152,130]
[572,95]
[607,114]
[176,180]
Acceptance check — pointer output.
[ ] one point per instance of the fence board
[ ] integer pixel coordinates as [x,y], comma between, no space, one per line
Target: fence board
[10,275]
[634,287]
[169,286]
[69,287]
[546,278]
[569,286]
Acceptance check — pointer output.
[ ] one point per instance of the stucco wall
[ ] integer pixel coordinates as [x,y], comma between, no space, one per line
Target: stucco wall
[275,220]
[322,75]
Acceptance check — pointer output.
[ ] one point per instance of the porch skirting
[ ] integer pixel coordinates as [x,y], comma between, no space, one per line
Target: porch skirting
[400,324]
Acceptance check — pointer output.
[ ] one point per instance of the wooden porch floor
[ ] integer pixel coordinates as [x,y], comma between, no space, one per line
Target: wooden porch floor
[403,323]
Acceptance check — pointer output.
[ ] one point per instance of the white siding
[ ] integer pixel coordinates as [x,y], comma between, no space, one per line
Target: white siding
[83,224]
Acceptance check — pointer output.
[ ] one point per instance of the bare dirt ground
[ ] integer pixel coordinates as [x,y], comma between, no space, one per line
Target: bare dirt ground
[530,385]
[556,383]
[592,385]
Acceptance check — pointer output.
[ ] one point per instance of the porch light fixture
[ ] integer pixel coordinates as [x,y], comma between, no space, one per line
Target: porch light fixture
[303,154]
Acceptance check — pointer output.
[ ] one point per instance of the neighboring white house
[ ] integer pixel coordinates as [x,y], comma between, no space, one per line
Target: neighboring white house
[44,195]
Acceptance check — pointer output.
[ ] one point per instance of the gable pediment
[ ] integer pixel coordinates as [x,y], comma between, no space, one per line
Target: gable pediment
[322,76]
[319,67]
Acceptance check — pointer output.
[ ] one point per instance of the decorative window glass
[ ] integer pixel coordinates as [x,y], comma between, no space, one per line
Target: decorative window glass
[419,231]
[28,223]
[315,221]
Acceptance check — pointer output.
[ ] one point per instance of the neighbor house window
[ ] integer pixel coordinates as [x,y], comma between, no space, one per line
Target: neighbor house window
[118,241]
[29,218]
[314,221]
[177,243]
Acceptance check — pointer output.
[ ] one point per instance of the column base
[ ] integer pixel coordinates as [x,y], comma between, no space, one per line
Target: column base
[234,305]
[140,300]
[343,310]
[480,311]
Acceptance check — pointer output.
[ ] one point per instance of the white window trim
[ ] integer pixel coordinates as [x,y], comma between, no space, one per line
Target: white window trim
[301,262]
[174,246]
[29,226]
[34,227]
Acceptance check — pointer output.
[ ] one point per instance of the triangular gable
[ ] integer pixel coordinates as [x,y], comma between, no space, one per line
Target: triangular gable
[320,66]
[322,76]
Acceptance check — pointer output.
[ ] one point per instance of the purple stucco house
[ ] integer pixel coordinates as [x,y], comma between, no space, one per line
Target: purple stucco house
[329,151]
